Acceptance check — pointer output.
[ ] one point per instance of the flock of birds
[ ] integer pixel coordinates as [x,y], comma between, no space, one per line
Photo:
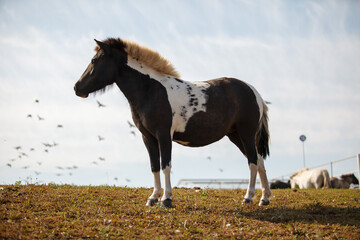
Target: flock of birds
[22,153]
[65,170]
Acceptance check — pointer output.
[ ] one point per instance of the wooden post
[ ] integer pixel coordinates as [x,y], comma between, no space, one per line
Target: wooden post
[358,160]
[331,165]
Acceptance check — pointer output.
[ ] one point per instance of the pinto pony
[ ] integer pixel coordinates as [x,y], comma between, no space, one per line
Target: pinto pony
[305,178]
[344,181]
[165,109]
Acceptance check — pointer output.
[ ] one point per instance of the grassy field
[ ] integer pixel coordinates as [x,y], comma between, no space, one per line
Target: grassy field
[105,212]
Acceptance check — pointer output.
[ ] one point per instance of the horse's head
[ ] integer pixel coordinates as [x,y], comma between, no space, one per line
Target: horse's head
[101,71]
[350,178]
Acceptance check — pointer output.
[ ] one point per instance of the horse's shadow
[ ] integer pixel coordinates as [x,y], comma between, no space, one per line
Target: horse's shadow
[308,214]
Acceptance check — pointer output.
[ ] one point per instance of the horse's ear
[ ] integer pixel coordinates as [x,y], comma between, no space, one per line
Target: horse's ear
[102,45]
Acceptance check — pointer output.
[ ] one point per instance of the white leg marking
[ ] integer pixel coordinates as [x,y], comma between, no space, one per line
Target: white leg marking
[168,189]
[266,192]
[250,193]
[157,187]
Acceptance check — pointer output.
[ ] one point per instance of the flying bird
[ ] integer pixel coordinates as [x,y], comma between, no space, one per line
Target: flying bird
[36,101]
[59,126]
[93,162]
[32,149]
[40,118]
[100,104]
[133,133]
[101,138]
[39,163]
[130,124]
[209,158]
[25,167]
[47,145]
[101,159]
[17,147]
[37,173]
[55,144]
[29,116]
[24,154]
[128,180]
[58,167]
[267,102]
[8,164]
[221,170]
[116,179]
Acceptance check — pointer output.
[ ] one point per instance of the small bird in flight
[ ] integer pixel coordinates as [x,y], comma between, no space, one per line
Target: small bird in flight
[101,159]
[100,104]
[130,124]
[101,138]
[40,118]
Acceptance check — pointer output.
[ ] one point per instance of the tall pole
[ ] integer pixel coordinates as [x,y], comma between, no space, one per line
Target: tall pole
[304,154]
[302,139]
[358,160]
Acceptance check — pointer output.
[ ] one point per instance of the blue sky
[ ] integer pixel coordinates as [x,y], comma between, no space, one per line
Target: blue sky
[303,56]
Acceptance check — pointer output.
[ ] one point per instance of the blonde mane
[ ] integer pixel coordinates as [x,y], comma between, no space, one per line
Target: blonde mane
[299,172]
[144,55]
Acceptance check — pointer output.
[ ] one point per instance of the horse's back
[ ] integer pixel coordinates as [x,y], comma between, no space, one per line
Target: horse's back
[316,178]
[229,102]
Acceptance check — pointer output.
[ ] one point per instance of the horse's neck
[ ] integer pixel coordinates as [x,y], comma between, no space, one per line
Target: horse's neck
[132,85]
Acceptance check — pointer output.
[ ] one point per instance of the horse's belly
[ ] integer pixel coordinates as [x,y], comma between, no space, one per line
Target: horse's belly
[202,130]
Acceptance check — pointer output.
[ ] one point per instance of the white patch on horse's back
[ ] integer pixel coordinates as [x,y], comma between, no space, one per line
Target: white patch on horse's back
[185,98]
[259,100]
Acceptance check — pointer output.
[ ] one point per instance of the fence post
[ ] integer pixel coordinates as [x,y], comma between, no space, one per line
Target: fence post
[331,165]
[358,160]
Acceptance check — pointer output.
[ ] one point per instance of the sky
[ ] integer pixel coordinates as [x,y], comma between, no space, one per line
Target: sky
[302,56]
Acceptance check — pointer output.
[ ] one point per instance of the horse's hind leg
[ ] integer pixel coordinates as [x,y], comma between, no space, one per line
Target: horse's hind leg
[266,192]
[250,153]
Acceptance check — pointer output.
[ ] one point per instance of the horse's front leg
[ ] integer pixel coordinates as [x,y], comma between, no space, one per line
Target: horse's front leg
[165,145]
[153,149]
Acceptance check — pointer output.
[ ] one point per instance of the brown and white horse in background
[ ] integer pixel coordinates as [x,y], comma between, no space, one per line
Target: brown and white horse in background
[305,178]
[344,181]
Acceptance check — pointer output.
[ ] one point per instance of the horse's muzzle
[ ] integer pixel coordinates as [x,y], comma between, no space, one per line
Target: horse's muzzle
[79,94]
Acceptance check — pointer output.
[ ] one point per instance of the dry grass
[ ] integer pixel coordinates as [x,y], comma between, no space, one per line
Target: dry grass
[63,212]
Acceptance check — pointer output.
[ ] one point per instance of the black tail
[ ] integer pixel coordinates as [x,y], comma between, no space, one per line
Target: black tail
[263,135]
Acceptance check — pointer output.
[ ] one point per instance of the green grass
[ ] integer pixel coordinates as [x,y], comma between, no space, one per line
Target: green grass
[105,212]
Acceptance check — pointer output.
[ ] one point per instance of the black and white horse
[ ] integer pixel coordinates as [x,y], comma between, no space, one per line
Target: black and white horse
[165,109]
